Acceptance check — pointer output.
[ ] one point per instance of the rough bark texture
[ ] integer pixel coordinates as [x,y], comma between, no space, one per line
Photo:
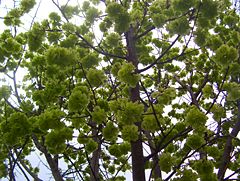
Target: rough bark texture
[136,146]
[96,156]
[156,167]
[52,162]
[229,148]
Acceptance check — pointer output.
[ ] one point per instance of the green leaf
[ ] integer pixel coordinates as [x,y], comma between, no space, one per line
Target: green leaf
[5,92]
[55,140]
[209,8]
[166,162]
[95,77]
[27,5]
[195,141]
[92,14]
[130,112]
[179,26]
[90,60]
[183,5]
[150,123]
[127,74]
[60,56]
[119,15]
[36,37]
[79,99]
[195,118]
[110,132]
[99,115]
[225,55]
[130,133]
[91,146]
[15,128]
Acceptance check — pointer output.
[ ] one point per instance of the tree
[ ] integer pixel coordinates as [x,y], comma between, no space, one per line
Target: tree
[151,87]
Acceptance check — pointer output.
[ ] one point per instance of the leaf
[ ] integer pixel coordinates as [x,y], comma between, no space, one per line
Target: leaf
[60,56]
[79,99]
[95,77]
[130,133]
[179,26]
[127,75]
[5,92]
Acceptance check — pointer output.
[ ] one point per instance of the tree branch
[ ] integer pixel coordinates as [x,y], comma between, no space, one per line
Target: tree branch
[229,147]
[161,56]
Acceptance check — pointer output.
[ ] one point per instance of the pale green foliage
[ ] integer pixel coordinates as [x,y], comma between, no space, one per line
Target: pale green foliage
[119,15]
[114,150]
[15,128]
[79,99]
[105,24]
[35,37]
[12,45]
[55,140]
[27,5]
[205,170]
[113,39]
[225,55]
[110,132]
[90,60]
[201,37]
[82,139]
[183,5]
[213,152]
[50,119]
[187,175]
[60,56]
[3,170]
[5,92]
[216,42]
[233,91]
[150,123]
[95,77]
[218,112]
[207,91]
[166,162]
[85,5]
[13,17]
[70,28]
[195,141]
[167,96]
[54,17]
[70,11]
[98,115]
[119,149]
[92,14]
[69,42]
[196,118]
[127,112]
[91,145]
[115,68]
[127,74]
[130,133]
[209,8]
[179,26]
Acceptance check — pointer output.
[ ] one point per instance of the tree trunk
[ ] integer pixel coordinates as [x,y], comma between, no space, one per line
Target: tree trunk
[229,147]
[96,155]
[156,167]
[136,146]
[52,162]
